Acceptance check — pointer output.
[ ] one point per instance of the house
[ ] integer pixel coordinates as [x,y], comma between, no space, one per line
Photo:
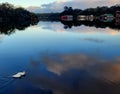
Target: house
[106,18]
[90,18]
[117,18]
[85,18]
[82,18]
[67,18]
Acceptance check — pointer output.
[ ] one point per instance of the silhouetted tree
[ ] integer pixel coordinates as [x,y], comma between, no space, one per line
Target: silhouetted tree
[9,13]
[91,11]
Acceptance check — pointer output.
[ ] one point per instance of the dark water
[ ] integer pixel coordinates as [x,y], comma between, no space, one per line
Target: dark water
[81,60]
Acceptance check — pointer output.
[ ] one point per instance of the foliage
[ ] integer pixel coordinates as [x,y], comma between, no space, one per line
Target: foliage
[12,18]
[91,11]
[9,13]
[49,16]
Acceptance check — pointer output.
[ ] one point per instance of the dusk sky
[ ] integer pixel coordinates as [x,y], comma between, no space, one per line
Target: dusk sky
[57,5]
[26,3]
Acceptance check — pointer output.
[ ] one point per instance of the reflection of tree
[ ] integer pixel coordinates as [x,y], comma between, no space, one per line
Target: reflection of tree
[96,24]
[12,18]
[9,28]
[96,12]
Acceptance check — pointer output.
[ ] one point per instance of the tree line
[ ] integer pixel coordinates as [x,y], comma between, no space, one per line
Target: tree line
[48,16]
[91,11]
[10,13]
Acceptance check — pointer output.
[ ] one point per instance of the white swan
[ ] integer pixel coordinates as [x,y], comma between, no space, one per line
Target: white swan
[19,74]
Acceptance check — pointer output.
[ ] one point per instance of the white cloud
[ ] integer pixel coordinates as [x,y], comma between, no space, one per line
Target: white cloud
[80,29]
[58,5]
[1,37]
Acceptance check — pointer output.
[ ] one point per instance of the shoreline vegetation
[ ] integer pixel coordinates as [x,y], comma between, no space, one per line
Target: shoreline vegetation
[100,17]
[12,18]
[9,13]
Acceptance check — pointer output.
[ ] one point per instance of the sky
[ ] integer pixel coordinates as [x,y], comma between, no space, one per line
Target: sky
[27,3]
[40,6]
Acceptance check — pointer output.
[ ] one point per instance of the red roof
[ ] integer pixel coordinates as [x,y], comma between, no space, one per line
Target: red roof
[64,18]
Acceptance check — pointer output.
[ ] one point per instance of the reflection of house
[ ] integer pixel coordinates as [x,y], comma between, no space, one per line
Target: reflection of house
[117,18]
[106,17]
[67,18]
[85,18]
[81,18]
[90,18]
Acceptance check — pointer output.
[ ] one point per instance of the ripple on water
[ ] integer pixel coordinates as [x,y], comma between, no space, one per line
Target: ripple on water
[5,83]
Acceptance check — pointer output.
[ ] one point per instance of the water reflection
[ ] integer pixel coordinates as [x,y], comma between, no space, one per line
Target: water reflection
[96,24]
[61,61]
[9,28]
[58,27]
[93,40]
[79,74]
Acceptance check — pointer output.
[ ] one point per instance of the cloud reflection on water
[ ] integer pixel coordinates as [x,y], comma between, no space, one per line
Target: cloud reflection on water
[80,74]
[1,37]
[54,26]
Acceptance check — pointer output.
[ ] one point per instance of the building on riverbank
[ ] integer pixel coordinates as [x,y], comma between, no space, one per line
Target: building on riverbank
[117,18]
[106,18]
[67,18]
[85,18]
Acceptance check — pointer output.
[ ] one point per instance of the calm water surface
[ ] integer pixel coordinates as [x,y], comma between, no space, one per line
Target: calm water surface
[81,60]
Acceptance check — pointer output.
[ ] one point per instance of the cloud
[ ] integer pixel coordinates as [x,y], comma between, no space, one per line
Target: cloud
[34,9]
[79,74]
[1,37]
[62,64]
[58,5]
[73,61]
[80,29]
[93,40]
